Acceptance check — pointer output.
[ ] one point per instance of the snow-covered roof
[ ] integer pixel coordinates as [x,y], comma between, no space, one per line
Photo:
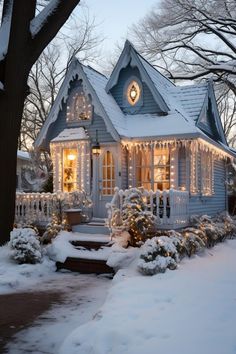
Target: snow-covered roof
[182,106]
[98,82]
[71,134]
[191,98]
[23,155]
[150,125]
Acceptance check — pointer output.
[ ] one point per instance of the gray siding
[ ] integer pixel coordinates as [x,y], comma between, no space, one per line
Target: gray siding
[148,103]
[97,123]
[217,203]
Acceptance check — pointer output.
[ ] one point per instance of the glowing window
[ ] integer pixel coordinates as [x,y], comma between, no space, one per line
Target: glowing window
[206,173]
[80,107]
[154,175]
[108,174]
[133,92]
[69,170]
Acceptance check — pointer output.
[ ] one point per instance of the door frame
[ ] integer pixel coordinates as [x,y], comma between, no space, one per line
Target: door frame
[100,200]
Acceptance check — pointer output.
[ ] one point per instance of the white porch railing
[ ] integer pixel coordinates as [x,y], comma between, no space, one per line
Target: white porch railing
[170,206]
[36,207]
[39,207]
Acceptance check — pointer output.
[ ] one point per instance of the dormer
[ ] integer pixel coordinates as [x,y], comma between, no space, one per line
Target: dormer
[132,87]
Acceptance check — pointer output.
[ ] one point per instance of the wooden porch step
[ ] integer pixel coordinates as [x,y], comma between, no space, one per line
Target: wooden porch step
[85,266]
[90,244]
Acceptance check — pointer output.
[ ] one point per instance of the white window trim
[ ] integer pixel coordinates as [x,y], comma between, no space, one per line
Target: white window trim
[173,168]
[207,173]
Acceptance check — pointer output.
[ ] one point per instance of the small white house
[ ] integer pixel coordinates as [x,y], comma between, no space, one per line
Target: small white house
[137,128]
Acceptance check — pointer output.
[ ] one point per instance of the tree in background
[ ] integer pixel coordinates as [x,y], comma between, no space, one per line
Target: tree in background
[80,38]
[23,37]
[194,39]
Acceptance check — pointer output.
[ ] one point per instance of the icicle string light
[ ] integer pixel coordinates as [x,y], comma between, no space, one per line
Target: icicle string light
[190,143]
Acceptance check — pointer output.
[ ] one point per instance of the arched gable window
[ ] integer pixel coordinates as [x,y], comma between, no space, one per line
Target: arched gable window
[108,174]
[80,107]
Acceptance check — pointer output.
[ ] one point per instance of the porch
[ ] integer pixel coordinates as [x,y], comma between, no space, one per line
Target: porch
[171,207]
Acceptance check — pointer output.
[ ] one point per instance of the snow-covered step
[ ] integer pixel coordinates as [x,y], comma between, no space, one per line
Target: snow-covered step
[90,242]
[91,229]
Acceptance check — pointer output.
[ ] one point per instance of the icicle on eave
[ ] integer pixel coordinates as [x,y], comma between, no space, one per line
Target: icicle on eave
[193,144]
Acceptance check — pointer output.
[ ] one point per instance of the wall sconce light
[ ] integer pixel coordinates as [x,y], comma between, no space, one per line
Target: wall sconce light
[96,149]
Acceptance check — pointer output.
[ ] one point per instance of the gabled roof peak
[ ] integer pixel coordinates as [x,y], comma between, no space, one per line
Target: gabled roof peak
[129,56]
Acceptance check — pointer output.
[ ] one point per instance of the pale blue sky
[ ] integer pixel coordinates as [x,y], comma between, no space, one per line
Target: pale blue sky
[116,16]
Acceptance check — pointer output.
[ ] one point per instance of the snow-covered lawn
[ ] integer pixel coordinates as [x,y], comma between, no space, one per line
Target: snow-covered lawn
[191,310]
[81,295]
[188,311]
[15,277]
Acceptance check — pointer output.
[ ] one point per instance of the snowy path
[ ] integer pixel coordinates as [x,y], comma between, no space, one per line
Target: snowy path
[188,311]
[81,297]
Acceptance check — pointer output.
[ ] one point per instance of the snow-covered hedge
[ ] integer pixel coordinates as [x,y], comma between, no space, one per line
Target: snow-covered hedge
[139,222]
[25,246]
[158,254]
[166,249]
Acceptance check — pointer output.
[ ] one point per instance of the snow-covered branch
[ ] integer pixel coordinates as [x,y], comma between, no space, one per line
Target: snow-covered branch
[43,16]
[5,29]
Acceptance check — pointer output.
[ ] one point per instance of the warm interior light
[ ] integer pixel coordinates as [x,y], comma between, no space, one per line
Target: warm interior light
[71,157]
[133,92]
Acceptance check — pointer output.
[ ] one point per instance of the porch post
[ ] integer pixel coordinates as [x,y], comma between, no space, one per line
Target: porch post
[95,191]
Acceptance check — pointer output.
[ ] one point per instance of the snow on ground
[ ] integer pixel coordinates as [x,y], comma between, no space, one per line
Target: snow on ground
[16,277]
[191,310]
[84,295]
[61,248]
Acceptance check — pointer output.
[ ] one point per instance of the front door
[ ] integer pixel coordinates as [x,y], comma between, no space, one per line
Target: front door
[107,179]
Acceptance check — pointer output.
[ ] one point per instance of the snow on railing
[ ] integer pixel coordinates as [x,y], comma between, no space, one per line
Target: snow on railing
[34,207]
[170,206]
[39,207]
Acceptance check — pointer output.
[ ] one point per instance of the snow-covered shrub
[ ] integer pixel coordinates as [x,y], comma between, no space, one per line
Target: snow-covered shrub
[176,238]
[216,229]
[228,223]
[53,228]
[158,254]
[140,223]
[25,246]
[192,243]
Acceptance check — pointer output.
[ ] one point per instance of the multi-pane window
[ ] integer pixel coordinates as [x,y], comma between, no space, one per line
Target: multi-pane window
[108,173]
[153,169]
[69,173]
[206,173]
[143,169]
[161,169]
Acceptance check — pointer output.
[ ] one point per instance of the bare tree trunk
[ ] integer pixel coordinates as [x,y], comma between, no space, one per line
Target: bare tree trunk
[23,51]
[11,119]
